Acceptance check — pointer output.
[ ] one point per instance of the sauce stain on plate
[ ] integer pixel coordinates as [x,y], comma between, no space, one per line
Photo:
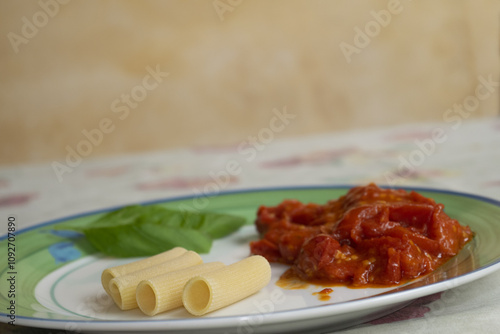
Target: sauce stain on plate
[323,295]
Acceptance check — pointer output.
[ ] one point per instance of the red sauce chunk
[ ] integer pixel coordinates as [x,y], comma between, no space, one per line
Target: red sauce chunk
[323,295]
[368,237]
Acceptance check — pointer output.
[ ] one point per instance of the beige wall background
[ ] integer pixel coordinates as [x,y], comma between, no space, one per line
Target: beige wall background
[65,66]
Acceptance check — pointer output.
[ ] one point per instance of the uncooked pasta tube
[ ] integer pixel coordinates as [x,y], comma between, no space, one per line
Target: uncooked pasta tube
[211,291]
[163,293]
[128,268]
[122,288]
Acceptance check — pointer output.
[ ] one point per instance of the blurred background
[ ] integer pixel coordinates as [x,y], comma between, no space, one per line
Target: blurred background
[137,76]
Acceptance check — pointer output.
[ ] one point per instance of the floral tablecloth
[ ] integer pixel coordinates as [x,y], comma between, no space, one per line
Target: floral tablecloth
[463,156]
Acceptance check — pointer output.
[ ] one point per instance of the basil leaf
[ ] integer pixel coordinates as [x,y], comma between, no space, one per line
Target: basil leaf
[147,230]
[146,240]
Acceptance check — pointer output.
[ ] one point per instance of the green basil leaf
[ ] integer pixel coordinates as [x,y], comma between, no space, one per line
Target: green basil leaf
[148,230]
[146,240]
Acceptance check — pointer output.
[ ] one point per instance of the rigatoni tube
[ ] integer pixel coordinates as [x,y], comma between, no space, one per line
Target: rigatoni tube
[164,292]
[216,289]
[128,268]
[122,288]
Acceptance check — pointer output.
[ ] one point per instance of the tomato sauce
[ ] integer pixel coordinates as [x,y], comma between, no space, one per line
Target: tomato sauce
[323,295]
[368,237]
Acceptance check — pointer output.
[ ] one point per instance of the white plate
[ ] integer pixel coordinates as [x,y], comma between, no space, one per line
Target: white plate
[61,275]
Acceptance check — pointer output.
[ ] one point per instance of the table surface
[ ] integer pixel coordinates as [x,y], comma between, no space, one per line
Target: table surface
[460,156]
